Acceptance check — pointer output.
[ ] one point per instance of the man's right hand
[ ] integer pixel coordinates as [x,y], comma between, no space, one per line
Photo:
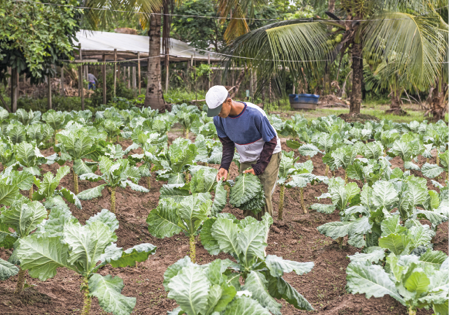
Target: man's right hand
[222,173]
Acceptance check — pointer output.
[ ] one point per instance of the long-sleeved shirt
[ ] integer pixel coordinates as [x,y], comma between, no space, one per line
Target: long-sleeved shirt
[253,136]
[91,78]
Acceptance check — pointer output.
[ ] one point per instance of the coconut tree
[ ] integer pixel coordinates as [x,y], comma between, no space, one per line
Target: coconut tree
[412,30]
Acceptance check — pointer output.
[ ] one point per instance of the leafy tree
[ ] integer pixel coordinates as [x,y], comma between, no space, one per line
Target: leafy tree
[46,33]
[115,174]
[63,242]
[358,28]
[262,275]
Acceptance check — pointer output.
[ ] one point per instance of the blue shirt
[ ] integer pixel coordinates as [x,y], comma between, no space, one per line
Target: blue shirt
[249,131]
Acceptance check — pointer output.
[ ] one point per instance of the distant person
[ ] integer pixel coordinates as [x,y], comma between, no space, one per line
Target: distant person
[92,81]
[245,126]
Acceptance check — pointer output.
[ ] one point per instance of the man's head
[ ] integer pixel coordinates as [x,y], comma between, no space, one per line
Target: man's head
[218,101]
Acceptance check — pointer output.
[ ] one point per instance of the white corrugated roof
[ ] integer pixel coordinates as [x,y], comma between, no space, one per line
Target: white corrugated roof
[106,41]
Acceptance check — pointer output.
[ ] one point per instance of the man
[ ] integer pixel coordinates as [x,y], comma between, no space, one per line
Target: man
[246,127]
[92,81]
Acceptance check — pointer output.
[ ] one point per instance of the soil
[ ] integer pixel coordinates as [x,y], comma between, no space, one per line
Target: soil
[295,238]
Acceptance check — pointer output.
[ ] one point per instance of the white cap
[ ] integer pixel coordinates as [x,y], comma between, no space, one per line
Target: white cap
[215,98]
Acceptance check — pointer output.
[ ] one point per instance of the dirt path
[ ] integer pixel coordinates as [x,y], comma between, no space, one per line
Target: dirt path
[295,238]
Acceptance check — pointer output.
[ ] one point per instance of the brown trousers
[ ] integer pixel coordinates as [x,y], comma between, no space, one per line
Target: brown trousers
[268,180]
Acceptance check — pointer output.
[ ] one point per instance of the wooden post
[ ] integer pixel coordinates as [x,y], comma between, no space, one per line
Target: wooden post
[138,71]
[9,81]
[167,70]
[50,105]
[81,79]
[134,78]
[208,76]
[115,71]
[104,79]
[129,77]
[62,80]
[14,83]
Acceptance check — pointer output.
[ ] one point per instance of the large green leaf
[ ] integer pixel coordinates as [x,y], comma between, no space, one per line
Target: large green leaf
[106,217]
[245,306]
[335,229]
[24,180]
[25,154]
[87,243]
[431,170]
[373,254]
[328,209]
[193,210]
[246,188]
[42,256]
[384,194]
[396,243]
[8,193]
[281,289]
[92,193]
[24,217]
[190,290]
[279,266]
[163,221]
[59,216]
[370,280]
[138,253]
[433,258]
[225,232]
[108,291]
[256,283]
[207,240]
[219,199]
[417,282]
[7,270]
[80,167]
[203,180]
[252,241]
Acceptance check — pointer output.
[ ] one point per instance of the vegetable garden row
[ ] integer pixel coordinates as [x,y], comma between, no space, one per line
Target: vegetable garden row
[389,214]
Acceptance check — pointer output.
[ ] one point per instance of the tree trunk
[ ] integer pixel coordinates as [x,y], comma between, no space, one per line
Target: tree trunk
[396,102]
[238,83]
[87,298]
[154,97]
[281,203]
[14,89]
[357,76]
[438,101]
[20,281]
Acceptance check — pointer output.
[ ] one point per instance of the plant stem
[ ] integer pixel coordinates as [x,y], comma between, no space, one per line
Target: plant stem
[75,182]
[113,199]
[149,182]
[427,160]
[346,176]
[187,133]
[192,249]
[187,177]
[20,281]
[87,298]
[340,242]
[118,138]
[438,159]
[411,311]
[326,171]
[281,203]
[301,192]
[30,193]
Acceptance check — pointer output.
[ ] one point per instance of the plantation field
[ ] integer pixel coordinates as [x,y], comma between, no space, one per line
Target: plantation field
[295,238]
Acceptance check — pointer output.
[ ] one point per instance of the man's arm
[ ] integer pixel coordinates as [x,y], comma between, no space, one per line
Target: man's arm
[265,156]
[228,152]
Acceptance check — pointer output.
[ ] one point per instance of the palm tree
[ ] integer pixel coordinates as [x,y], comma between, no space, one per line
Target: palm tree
[410,27]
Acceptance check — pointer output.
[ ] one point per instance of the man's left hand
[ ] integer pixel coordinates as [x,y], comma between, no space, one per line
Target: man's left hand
[249,171]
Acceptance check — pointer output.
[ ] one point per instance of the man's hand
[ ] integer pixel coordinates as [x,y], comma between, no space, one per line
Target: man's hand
[249,171]
[222,173]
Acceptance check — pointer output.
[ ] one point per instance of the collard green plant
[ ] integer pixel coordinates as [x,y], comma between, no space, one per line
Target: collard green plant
[47,188]
[247,194]
[172,164]
[76,145]
[23,217]
[39,133]
[245,241]
[56,120]
[30,157]
[187,115]
[414,274]
[114,174]
[342,157]
[170,218]
[62,242]
[407,148]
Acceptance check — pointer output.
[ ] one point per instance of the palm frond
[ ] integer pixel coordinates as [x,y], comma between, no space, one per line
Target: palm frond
[412,40]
